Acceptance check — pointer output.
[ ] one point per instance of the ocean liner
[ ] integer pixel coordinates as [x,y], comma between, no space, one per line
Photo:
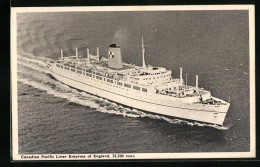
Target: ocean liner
[146,88]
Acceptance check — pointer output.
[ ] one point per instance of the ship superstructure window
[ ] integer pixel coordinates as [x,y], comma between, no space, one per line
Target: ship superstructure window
[144,89]
[98,77]
[119,83]
[79,68]
[90,75]
[109,80]
[78,71]
[127,85]
[136,88]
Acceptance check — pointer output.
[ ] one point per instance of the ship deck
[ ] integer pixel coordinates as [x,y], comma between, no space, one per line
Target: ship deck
[189,92]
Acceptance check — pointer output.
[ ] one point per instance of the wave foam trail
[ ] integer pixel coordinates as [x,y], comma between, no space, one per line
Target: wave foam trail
[37,65]
[37,60]
[58,89]
[65,95]
[33,66]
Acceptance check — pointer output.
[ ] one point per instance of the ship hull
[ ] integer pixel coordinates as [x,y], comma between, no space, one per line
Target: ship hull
[196,112]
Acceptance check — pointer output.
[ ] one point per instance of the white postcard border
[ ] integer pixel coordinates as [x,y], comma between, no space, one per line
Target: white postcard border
[107,156]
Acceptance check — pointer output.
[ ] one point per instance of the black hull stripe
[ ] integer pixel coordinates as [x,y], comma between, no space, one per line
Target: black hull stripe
[134,98]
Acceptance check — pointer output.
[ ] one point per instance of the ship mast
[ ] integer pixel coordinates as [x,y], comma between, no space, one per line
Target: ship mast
[186,80]
[181,80]
[61,54]
[143,50]
[88,55]
[77,55]
[197,82]
[97,54]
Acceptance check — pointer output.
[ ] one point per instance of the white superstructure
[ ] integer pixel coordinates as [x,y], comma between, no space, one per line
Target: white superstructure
[146,88]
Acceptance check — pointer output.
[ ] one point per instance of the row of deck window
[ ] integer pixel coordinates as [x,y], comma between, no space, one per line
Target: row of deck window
[155,77]
[79,72]
[110,81]
[100,78]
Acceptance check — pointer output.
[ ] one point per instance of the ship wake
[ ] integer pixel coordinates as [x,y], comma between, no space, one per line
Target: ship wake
[32,71]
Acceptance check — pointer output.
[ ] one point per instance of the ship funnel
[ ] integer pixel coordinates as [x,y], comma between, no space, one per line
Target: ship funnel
[61,54]
[88,54]
[197,82]
[114,57]
[77,56]
[97,54]
[181,80]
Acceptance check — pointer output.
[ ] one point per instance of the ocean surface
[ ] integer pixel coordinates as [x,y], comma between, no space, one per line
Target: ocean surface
[55,118]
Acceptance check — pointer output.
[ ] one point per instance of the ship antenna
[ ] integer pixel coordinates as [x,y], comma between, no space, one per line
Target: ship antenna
[143,50]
